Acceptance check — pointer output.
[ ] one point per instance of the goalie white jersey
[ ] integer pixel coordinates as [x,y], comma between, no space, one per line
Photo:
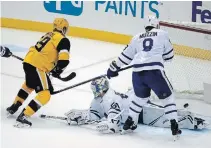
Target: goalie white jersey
[147,51]
[112,103]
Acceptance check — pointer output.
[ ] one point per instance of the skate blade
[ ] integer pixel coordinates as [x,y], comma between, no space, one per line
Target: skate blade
[8,114]
[21,125]
[176,137]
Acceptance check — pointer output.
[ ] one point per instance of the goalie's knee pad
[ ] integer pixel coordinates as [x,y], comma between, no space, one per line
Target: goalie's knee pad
[43,97]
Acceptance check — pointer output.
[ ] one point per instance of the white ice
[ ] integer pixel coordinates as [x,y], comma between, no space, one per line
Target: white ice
[89,58]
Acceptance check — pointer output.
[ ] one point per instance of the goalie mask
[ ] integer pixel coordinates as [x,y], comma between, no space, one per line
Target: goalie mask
[99,86]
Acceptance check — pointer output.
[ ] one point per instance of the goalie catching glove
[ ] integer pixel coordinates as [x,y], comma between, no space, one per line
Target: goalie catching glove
[81,117]
[5,52]
[77,117]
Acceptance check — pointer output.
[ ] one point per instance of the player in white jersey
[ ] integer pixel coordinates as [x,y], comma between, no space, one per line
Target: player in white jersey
[112,109]
[147,52]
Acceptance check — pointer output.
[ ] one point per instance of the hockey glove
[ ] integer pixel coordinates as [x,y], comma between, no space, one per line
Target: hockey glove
[56,72]
[5,52]
[113,70]
[77,117]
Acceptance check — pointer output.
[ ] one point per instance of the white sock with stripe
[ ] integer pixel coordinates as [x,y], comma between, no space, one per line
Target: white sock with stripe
[170,108]
[136,107]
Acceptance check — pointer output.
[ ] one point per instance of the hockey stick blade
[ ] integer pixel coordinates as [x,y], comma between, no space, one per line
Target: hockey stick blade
[52,117]
[42,116]
[69,77]
[65,119]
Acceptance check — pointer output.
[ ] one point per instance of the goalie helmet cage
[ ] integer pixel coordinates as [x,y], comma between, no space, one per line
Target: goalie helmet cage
[191,66]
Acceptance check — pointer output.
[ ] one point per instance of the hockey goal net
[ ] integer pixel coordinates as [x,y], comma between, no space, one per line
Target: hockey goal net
[191,66]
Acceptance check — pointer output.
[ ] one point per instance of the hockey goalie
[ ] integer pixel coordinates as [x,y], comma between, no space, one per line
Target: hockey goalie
[109,109]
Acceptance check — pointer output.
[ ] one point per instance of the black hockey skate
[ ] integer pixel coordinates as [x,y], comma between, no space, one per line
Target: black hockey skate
[13,108]
[176,132]
[129,126]
[22,121]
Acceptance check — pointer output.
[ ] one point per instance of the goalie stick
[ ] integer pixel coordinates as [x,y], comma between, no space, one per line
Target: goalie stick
[43,116]
[65,118]
[65,79]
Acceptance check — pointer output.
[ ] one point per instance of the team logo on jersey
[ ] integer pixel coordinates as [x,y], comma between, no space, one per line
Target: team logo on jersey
[115,106]
[64,7]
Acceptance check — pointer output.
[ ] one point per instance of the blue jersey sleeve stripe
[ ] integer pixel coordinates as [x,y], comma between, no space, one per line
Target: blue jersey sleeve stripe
[166,59]
[122,61]
[112,112]
[96,114]
[91,110]
[168,52]
[126,56]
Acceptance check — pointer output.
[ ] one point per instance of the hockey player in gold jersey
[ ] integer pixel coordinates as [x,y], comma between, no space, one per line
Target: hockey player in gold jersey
[49,55]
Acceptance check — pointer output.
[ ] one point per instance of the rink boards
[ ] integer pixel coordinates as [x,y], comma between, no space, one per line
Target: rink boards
[115,22]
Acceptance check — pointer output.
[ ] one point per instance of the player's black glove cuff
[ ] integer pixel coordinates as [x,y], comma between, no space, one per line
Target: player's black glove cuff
[5,52]
[56,72]
[59,68]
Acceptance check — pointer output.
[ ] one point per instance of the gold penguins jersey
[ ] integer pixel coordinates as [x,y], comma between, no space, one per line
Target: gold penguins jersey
[51,48]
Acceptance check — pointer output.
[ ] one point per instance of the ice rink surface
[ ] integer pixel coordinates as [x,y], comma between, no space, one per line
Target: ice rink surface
[89,58]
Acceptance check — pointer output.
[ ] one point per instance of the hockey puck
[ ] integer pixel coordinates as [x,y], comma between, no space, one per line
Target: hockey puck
[186,105]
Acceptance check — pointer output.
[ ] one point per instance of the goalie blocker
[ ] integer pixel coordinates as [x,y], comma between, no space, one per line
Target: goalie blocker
[112,109]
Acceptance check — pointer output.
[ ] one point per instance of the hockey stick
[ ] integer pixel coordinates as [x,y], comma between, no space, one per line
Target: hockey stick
[53,117]
[65,79]
[43,116]
[65,119]
[89,80]
[19,58]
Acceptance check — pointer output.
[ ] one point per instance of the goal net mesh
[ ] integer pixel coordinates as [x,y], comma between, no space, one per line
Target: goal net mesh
[191,67]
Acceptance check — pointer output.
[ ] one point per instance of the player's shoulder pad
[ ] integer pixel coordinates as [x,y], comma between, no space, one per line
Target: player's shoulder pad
[64,44]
